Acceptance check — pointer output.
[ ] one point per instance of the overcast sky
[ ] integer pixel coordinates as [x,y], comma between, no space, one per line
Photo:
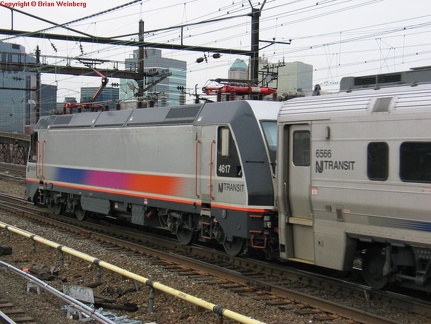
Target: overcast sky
[339,38]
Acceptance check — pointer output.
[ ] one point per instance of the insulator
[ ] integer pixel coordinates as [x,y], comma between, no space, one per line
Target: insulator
[182,99]
[164,100]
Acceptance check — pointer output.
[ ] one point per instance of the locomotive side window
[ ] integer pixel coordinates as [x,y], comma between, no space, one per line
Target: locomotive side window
[33,144]
[415,162]
[378,161]
[301,148]
[228,164]
[224,141]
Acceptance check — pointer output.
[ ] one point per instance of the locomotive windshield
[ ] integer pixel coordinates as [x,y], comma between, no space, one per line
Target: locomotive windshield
[270,131]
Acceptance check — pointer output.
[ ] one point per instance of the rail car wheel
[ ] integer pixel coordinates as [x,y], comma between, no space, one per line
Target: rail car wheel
[57,208]
[372,268]
[186,236]
[80,213]
[234,247]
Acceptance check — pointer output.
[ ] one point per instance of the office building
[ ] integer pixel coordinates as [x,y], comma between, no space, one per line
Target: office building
[164,90]
[295,76]
[48,99]
[17,100]
[287,77]
[238,70]
[109,96]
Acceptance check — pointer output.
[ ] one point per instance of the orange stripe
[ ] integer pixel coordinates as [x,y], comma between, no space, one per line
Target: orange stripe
[169,199]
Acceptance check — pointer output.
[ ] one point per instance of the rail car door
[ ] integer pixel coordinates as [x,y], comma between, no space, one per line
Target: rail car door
[298,192]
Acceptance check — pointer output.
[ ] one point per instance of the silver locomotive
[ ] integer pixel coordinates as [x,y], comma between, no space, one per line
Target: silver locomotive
[201,171]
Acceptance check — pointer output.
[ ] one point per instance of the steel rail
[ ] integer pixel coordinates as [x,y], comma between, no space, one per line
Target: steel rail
[4,319]
[91,312]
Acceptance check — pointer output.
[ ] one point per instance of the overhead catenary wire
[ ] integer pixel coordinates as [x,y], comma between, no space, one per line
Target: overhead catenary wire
[277,12]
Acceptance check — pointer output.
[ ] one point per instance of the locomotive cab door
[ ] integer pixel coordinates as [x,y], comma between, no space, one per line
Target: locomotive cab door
[300,220]
[205,163]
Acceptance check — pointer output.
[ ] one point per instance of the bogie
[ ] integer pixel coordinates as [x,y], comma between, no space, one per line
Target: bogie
[386,264]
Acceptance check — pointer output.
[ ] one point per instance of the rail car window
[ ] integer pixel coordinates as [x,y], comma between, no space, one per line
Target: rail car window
[228,164]
[378,161]
[301,148]
[415,162]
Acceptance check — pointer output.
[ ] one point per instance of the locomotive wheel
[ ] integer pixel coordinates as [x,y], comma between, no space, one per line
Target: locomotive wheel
[57,208]
[186,236]
[80,213]
[372,268]
[234,247]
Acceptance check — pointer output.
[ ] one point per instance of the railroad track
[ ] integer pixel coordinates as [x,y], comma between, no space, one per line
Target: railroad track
[16,169]
[276,285]
[12,172]
[9,313]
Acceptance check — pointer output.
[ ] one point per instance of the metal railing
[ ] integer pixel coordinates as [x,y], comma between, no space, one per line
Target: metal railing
[153,285]
[71,301]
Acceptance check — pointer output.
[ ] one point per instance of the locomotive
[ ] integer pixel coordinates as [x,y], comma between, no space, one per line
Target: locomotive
[201,171]
[354,183]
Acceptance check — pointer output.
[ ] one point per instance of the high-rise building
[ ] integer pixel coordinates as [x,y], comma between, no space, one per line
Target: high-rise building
[108,96]
[17,100]
[288,77]
[238,70]
[48,99]
[295,76]
[167,89]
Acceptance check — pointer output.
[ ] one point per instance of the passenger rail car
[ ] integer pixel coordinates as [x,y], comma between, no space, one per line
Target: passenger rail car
[204,170]
[354,179]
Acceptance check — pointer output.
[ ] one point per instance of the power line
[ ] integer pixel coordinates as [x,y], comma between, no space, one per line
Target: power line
[301,11]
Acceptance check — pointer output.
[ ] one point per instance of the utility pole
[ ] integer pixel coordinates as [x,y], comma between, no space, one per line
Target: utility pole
[141,63]
[37,84]
[254,58]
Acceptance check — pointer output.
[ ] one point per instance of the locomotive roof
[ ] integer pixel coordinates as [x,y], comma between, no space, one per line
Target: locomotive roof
[198,114]
[401,99]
